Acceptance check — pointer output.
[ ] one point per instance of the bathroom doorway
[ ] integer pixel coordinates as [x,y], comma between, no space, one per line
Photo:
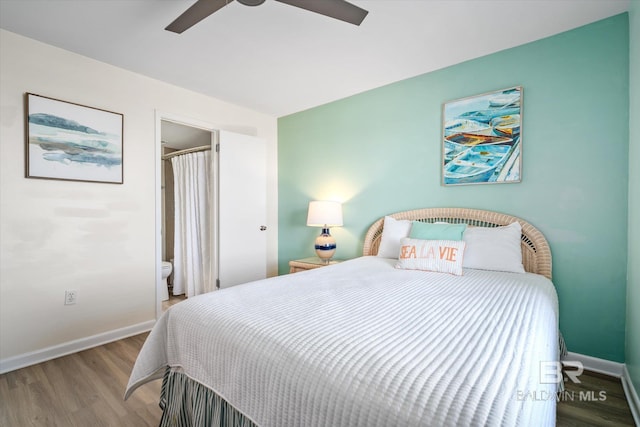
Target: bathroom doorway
[180,141]
[238,185]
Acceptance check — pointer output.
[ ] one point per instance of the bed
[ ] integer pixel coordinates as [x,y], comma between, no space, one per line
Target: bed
[364,343]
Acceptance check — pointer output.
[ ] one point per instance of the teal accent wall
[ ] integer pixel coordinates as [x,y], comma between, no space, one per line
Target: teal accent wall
[632,354]
[379,152]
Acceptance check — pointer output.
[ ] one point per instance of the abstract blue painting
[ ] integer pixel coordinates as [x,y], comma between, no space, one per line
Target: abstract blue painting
[73,142]
[482,138]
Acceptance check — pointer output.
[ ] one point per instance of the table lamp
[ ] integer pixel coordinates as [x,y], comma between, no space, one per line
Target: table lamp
[325,214]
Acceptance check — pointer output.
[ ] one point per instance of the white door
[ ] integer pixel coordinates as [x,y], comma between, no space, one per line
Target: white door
[242,208]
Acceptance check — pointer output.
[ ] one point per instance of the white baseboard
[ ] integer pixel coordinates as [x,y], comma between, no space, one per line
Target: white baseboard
[632,396]
[602,366]
[39,356]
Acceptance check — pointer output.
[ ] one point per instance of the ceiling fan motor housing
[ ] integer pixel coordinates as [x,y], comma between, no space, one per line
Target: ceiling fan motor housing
[251,2]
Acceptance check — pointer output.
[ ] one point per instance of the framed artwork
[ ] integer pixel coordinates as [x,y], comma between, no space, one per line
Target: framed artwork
[73,142]
[482,138]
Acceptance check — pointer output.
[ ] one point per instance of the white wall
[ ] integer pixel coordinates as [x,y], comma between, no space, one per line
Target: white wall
[98,239]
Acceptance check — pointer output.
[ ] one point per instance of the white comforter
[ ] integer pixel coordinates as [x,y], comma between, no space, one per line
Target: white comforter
[364,344]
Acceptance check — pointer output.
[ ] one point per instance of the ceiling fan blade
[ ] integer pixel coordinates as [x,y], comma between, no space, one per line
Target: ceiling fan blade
[196,13]
[338,9]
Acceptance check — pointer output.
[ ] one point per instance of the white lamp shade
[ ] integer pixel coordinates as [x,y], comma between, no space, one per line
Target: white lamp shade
[324,213]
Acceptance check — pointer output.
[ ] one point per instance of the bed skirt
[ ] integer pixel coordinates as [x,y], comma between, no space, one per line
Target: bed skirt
[187,403]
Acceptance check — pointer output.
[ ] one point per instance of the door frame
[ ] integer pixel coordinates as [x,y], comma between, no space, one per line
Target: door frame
[191,122]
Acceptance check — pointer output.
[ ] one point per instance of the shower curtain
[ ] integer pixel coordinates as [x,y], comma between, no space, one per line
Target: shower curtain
[192,263]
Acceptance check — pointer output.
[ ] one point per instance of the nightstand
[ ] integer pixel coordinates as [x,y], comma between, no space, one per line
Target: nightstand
[309,264]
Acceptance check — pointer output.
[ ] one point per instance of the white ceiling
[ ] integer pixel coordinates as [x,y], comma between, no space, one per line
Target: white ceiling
[280,59]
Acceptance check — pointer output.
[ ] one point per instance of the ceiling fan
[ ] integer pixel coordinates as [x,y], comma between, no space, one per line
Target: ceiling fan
[338,9]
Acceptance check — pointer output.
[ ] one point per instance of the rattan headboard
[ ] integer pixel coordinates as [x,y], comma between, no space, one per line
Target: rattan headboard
[536,254]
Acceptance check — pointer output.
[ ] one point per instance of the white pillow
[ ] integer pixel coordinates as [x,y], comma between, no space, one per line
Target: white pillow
[442,256]
[392,231]
[495,248]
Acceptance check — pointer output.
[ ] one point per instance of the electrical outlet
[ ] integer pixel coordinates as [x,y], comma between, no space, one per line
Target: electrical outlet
[70,297]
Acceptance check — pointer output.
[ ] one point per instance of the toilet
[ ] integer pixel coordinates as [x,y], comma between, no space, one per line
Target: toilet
[167,268]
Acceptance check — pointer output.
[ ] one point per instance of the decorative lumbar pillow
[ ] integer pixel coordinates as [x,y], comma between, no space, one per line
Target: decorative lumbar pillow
[443,256]
[495,248]
[437,231]
[392,231]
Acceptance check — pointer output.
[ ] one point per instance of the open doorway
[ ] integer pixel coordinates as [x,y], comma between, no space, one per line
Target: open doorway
[238,190]
[177,140]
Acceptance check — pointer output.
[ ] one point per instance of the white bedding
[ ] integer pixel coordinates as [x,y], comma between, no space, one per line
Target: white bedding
[363,344]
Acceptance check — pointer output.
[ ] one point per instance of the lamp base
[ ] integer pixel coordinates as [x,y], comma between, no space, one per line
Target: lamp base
[325,246]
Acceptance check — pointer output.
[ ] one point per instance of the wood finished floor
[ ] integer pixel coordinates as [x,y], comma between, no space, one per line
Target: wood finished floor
[599,400]
[173,299]
[86,390]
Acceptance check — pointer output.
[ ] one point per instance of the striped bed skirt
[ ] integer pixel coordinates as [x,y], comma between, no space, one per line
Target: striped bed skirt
[187,403]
